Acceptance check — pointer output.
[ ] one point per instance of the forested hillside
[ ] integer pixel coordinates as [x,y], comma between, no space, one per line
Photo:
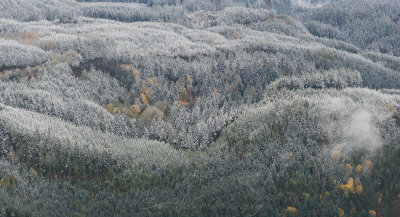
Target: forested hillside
[370,25]
[199,108]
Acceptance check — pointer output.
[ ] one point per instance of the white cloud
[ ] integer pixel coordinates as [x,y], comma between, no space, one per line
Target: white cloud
[360,132]
[306,4]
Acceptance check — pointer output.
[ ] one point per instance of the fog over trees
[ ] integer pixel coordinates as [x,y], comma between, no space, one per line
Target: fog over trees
[199,108]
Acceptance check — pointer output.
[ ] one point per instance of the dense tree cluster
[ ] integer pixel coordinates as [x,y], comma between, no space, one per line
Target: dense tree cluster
[370,25]
[14,54]
[198,108]
[25,10]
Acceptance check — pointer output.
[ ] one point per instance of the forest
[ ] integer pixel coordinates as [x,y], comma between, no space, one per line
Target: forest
[271,108]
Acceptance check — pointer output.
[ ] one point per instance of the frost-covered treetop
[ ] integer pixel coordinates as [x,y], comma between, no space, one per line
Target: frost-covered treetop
[86,140]
[15,54]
